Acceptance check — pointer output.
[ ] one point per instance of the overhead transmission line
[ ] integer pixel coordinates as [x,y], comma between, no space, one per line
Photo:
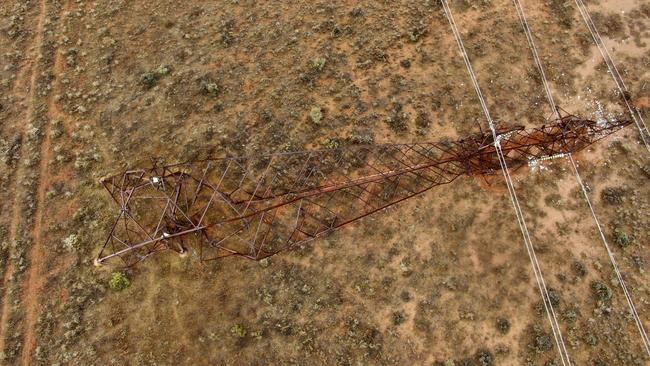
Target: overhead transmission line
[531,42]
[616,75]
[548,306]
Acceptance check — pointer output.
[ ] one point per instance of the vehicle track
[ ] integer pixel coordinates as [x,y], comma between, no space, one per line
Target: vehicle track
[36,278]
[21,278]
[8,130]
[25,89]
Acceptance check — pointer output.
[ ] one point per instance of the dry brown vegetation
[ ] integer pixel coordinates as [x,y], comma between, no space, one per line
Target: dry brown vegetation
[90,87]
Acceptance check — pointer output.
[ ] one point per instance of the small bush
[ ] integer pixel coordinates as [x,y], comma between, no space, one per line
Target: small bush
[570,315]
[211,89]
[149,79]
[422,120]
[601,291]
[397,119]
[119,281]
[613,195]
[562,11]
[542,343]
[484,358]
[362,139]
[591,339]
[316,114]
[399,317]
[554,297]
[163,70]
[503,325]
[422,324]
[319,63]
[580,269]
[331,143]
[238,331]
[622,238]
[405,296]
[610,25]
[416,33]
[71,242]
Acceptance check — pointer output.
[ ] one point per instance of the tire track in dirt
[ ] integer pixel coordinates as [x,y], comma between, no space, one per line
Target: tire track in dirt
[27,78]
[7,129]
[36,278]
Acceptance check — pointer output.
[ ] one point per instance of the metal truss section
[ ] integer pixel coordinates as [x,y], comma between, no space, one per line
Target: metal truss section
[255,207]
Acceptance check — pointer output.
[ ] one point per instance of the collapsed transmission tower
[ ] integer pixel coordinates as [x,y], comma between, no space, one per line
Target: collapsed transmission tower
[255,207]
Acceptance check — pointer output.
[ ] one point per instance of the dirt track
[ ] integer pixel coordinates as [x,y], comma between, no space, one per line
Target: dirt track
[25,89]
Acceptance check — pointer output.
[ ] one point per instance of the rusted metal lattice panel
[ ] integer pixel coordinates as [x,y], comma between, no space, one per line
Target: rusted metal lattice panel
[258,206]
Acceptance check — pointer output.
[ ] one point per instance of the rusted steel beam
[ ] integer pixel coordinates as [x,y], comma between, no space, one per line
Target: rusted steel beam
[255,207]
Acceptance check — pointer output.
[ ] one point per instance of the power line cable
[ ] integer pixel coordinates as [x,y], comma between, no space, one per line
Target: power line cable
[531,42]
[613,70]
[550,312]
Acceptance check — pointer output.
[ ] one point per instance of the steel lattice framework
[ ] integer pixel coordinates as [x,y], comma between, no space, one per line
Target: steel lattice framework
[255,207]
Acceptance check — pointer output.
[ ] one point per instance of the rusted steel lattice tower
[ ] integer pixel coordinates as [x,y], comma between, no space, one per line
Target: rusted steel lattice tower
[255,207]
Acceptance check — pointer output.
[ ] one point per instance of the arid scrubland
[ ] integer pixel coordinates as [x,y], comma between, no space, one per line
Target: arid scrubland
[88,88]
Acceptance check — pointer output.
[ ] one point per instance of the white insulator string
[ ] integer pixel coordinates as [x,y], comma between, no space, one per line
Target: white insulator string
[549,94]
[550,312]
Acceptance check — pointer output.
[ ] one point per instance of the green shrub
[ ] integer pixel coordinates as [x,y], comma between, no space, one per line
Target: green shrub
[316,114]
[621,238]
[591,339]
[319,63]
[362,139]
[601,291]
[422,120]
[554,297]
[397,119]
[238,331]
[211,89]
[119,281]
[503,325]
[331,143]
[613,195]
[541,341]
[163,70]
[484,358]
[580,269]
[257,334]
[415,34]
[399,317]
[149,79]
